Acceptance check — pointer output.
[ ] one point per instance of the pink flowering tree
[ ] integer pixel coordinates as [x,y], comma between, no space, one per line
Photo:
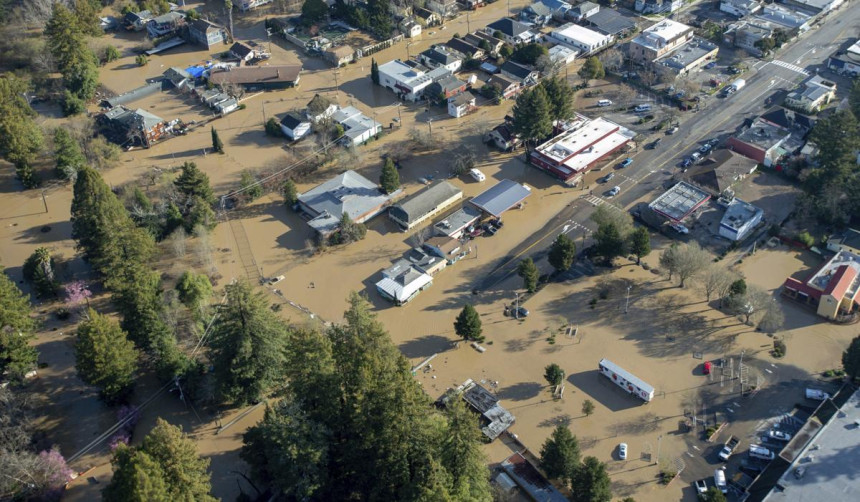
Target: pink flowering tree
[78,295]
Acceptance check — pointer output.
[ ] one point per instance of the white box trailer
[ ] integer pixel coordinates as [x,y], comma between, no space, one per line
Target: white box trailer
[626,380]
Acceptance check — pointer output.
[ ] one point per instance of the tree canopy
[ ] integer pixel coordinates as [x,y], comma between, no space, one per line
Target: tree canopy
[562,253]
[591,482]
[389,179]
[529,53]
[468,324]
[530,274]
[592,69]
[609,242]
[20,137]
[851,359]
[105,357]
[16,331]
[561,97]
[192,182]
[640,243]
[314,11]
[531,115]
[559,455]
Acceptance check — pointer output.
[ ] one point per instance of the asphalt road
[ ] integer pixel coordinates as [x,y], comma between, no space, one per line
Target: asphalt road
[718,117]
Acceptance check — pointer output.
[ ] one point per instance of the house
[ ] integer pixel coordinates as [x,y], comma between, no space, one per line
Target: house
[849,240]
[258,77]
[445,8]
[740,8]
[493,45]
[470,4]
[461,104]
[558,8]
[720,172]
[679,202]
[457,223]
[562,54]
[658,40]
[445,88]
[132,128]
[739,220]
[178,78]
[494,418]
[610,22]
[512,32]
[320,108]
[503,137]
[423,205]
[444,247]
[657,6]
[137,20]
[426,17]
[580,38]
[402,282]
[426,261]
[520,73]
[440,56]
[686,58]
[578,148]
[410,27]
[745,34]
[582,11]
[799,124]
[509,88]
[212,97]
[812,95]
[465,48]
[537,14]
[350,193]
[846,62]
[205,33]
[165,24]
[340,55]
[761,142]
[227,106]
[243,52]
[527,477]
[295,126]
[500,197]
[358,128]
[408,81]
[831,289]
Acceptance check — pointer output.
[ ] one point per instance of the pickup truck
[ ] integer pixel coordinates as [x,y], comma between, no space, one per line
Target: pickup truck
[729,448]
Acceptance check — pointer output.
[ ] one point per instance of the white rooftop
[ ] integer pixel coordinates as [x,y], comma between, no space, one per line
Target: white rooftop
[661,33]
[400,70]
[561,53]
[585,141]
[580,34]
[739,213]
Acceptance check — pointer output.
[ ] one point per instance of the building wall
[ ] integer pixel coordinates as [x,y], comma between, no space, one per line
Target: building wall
[433,212]
[828,307]
[299,132]
[750,151]
[582,46]
[739,234]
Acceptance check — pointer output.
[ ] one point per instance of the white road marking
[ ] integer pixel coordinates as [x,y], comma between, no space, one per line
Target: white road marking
[792,67]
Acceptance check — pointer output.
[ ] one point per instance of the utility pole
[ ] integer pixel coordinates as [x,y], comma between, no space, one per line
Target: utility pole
[517,311]
[468,25]
[509,8]
[430,125]
[399,118]
[336,88]
[627,305]
[44,201]
[263,109]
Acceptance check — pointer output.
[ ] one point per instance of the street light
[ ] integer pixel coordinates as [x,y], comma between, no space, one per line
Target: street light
[517,310]
[627,305]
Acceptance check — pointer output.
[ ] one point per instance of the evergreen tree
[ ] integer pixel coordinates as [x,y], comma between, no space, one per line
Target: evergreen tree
[553,374]
[39,270]
[248,183]
[610,244]
[20,137]
[389,180]
[468,324]
[75,60]
[462,456]
[248,347]
[562,253]
[273,128]
[166,461]
[851,359]
[374,71]
[105,357]
[559,455]
[17,357]
[592,69]
[68,152]
[640,243]
[192,182]
[217,145]
[591,482]
[530,274]
[531,115]
[200,213]
[87,15]
[587,407]
[314,11]
[195,290]
[291,193]
[560,96]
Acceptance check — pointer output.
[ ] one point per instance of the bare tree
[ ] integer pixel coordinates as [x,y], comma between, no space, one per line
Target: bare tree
[773,318]
[420,237]
[691,260]
[612,59]
[420,138]
[204,248]
[648,77]
[716,278]
[754,304]
[228,6]
[548,66]
[179,242]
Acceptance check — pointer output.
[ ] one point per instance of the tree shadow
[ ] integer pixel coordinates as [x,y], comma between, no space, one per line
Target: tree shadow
[425,346]
[521,344]
[520,391]
[564,420]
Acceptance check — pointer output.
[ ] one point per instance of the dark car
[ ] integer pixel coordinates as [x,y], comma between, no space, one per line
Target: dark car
[686,163]
[710,65]
[654,144]
[521,312]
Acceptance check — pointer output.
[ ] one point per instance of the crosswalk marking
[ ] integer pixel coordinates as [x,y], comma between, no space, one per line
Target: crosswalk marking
[594,200]
[792,67]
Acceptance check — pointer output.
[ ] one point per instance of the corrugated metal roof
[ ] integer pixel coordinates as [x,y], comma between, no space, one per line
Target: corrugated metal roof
[501,197]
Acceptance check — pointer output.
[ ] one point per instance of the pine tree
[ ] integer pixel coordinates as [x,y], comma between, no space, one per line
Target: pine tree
[530,274]
[137,477]
[17,357]
[559,455]
[217,145]
[291,193]
[200,214]
[389,180]
[462,456]
[562,253]
[531,113]
[20,137]
[592,69]
[75,60]
[68,153]
[640,243]
[248,347]
[591,482]
[468,324]
[851,359]
[248,183]
[192,182]
[39,270]
[87,15]
[374,71]
[314,11]
[195,290]
[610,244]
[105,357]
[560,96]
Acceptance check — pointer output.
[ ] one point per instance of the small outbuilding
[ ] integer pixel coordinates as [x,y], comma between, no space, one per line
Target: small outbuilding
[500,197]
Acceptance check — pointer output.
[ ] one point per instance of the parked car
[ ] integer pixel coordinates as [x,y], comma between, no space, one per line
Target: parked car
[720,480]
[642,108]
[681,229]
[607,177]
[626,162]
[654,144]
[615,190]
[695,156]
[622,451]
[521,312]
[706,368]
[779,435]
[604,102]
[710,65]
[705,149]
[672,130]
[701,487]
[686,163]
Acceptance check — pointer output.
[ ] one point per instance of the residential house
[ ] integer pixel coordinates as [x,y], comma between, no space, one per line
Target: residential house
[410,27]
[295,126]
[445,88]
[461,104]
[657,6]
[740,8]
[510,88]
[426,261]
[340,55]
[610,22]
[558,8]
[739,220]
[358,128]
[205,33]
[445,8]
[228,105]
[512,32]
[258,77]
[812,95]
[580,38]
[440,56]
[243,52]
[562,54]
[457,223]
[165,24]
[493,45]
[745,34]
[849,240]
[659,39]
[423,205]
[178,78]
[504,137]
[846,62]
[797,123]
[246,5]
[402,282]
[720,172]
[520,73]
[407,81]
[831,289]
[137,20]
[444,247]
[762,142]
[349,193]
[426,17]
[320,108]
[470,4]
[582,11]
[132,128]
[468,50]
[537,14]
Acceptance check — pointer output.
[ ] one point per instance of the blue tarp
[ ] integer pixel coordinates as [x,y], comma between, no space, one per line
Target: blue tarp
[196,71]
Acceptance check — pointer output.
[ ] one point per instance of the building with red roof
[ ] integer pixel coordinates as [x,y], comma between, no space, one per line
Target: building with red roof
[832,289]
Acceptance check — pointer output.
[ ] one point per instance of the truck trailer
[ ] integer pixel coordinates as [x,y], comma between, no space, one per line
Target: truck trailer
[626,380]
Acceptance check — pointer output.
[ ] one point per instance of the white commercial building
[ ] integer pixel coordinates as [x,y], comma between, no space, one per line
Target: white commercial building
[740,218]
[580,38]
[407,81]
[562,54]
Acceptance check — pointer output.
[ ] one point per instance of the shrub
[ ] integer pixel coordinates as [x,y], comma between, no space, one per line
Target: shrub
[805,239]
[667,475]
[779,348]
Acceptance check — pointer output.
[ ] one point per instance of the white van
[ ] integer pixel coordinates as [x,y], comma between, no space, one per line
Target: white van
[642,108]
[759,451]
[818,395]
[477,175]
[604,102]
[720,480]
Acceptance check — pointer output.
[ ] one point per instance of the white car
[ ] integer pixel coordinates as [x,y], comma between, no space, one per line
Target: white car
[604,102]
[720,480]
[622,451]
[672,130]
[615,190]
[681,229]
[779,435]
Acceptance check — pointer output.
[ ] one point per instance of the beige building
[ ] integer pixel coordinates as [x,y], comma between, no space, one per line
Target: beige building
[658,40]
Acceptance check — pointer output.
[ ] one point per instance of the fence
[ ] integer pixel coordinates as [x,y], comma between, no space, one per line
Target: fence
[374,48]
